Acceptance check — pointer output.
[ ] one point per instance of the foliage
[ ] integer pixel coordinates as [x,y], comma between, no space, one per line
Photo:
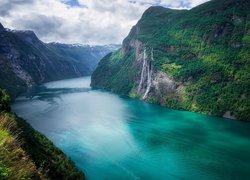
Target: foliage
[4,172]
[14,162]
[27,154]
[117,64]
[4,100]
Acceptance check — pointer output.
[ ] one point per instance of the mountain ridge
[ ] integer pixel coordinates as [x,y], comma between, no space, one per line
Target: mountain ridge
[26,61]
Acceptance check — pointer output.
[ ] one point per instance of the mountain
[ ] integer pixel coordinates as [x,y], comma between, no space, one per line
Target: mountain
[26,61]
[88,55]
[196,60]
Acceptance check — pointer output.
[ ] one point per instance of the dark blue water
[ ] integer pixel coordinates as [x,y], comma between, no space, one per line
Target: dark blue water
[112,137]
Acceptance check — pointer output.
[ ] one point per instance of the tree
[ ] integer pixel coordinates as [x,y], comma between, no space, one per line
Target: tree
[4,100]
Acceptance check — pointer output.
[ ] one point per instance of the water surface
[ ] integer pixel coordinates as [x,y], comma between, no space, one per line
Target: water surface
[113,137]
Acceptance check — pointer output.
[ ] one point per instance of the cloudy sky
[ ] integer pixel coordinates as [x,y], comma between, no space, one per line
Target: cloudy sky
[80,21]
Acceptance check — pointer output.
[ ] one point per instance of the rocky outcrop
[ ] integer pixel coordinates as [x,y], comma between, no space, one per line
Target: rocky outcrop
[163,84]
[229,115]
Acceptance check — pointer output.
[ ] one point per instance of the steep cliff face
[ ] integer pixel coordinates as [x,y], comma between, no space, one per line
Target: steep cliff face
[150,82]
[196,59]
[26,61]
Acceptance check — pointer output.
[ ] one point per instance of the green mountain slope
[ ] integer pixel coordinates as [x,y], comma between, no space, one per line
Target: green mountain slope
[196,60]
[27,154]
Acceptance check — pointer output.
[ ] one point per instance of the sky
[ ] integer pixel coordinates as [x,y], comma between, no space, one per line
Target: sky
[81,21]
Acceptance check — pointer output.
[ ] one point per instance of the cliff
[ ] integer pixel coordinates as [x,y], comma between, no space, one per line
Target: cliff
[196,60]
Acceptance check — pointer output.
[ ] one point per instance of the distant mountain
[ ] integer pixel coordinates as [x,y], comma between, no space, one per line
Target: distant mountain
[26,61]
[196,60]
[88,55]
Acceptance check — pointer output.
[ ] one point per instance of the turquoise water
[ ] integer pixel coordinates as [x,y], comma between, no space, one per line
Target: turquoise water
[113,137]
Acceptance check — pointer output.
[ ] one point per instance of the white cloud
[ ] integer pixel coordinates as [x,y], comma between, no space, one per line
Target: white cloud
[90,22]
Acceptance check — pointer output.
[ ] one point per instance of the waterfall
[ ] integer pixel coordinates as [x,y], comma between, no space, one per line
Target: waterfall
[146,74]
[143,69]
[149,75]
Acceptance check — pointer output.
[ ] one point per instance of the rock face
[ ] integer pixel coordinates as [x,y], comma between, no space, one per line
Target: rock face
[229,115]
[26,61]
[184,59]
[151,82]
[164,84]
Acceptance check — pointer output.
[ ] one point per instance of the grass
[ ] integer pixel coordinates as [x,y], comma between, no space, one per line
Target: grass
[14,162]
[26,153]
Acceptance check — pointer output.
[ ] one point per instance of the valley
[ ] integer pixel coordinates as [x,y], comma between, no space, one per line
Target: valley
[171,102]
[114,137]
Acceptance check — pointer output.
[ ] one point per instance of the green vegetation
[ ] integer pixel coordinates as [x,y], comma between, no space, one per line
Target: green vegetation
[14,162]
[27,154]
[115,64]
[206,49]
[4,100]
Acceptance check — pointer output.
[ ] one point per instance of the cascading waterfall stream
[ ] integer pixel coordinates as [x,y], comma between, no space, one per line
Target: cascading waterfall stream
[144,65]
[149,73]
[146,74]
